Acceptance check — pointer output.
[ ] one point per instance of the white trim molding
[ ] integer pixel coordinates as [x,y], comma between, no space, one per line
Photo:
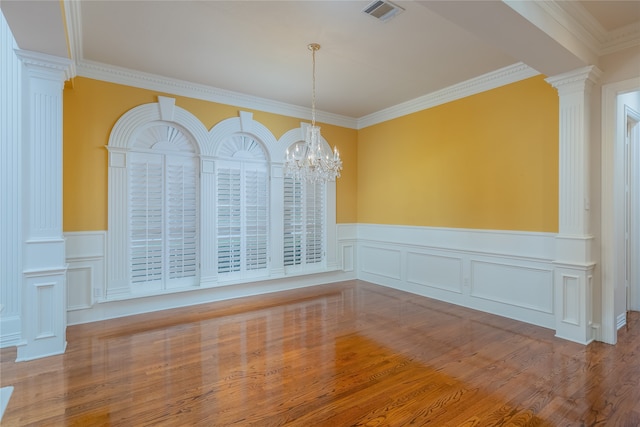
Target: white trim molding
[612,212]
[86,253]
[504,76]
[575,258]
[11,187]
[502,272]
[43,314]
[86,272]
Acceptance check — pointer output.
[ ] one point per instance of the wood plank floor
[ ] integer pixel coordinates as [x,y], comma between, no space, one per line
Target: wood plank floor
[345,354]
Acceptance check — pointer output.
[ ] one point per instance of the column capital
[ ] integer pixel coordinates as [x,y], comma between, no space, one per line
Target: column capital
[47,66]
[580,80]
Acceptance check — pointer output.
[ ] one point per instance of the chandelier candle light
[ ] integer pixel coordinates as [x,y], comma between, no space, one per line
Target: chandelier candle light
[311,160]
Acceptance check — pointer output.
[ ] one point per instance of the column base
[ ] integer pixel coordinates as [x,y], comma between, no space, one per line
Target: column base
[44,320]
[573,299]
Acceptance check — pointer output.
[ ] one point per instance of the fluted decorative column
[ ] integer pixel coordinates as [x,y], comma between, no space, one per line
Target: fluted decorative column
[574,260]
[44,269]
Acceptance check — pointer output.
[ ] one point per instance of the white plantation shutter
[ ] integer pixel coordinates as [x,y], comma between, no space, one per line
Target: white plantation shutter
[243,221]
[229,211]
[146,228]
[163,208]
[256,225]
[303,222]
[182,220]
[293,221]
[242,208]
[315,222]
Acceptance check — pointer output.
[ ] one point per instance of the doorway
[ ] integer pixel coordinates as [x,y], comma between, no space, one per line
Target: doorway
[632,209]
[620,107]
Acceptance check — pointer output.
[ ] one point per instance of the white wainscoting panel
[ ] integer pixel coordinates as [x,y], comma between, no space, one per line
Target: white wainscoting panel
[347,238]
[502,272]
[571,298]
[381,261]
[348,258]
[79,282]
[85,256]
[442,272]
[87,260]
[513,284]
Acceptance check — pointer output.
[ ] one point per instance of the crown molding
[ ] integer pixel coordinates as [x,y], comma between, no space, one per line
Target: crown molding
[73,18]
[128,77]
[118,75]
[620,39]
[572,16]
[492,80]
[582,25]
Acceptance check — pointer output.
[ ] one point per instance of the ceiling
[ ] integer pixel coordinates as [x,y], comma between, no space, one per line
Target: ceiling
[259,48]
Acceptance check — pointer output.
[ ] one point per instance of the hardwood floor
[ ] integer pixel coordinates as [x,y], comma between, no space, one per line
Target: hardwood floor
[345,354]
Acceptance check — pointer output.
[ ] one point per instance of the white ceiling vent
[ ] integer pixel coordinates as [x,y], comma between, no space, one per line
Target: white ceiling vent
[382,10]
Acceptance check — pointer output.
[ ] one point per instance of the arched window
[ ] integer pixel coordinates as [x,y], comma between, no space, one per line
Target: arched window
[163,205]
[191,207]
[242,208]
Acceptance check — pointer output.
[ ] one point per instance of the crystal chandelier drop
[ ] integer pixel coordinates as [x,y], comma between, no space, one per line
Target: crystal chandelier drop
[311,160]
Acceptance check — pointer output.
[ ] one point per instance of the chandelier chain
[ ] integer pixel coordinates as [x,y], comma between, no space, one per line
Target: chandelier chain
[312,160]
[313,47]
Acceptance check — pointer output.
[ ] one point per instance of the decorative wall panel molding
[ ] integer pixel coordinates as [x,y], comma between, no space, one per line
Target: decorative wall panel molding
[515,284]
[381,261]
[437,271]
[88,259]
[501,272]
[85,257]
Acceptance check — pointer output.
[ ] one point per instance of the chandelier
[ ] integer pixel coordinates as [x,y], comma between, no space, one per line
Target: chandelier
[311,160]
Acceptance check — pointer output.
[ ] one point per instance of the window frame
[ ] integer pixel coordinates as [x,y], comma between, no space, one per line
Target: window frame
[207,144]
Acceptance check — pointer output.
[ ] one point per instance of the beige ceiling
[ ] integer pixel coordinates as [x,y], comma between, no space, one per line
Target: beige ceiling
[258,48]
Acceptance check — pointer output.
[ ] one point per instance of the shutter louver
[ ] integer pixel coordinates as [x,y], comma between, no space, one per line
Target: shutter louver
[303,222]
[182,219]
[146,217]
[315,222]
[229,227]
[256,221]
[293,224]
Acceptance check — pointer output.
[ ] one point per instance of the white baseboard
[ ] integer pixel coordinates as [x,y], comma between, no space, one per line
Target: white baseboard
[621,320]
[11,331]
[132,306]
[5,395]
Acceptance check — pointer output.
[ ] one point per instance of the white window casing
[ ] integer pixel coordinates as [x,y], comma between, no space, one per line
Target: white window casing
[190,207]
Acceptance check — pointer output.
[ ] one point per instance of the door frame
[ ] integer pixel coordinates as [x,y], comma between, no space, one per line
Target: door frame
[612,208]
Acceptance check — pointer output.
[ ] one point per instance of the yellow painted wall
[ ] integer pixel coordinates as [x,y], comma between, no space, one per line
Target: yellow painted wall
[92,107]
[488,161]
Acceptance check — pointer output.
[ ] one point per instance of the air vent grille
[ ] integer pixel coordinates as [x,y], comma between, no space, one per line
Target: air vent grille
[382,10]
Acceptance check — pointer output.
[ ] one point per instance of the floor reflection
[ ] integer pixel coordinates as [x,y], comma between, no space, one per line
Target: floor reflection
[337,355]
